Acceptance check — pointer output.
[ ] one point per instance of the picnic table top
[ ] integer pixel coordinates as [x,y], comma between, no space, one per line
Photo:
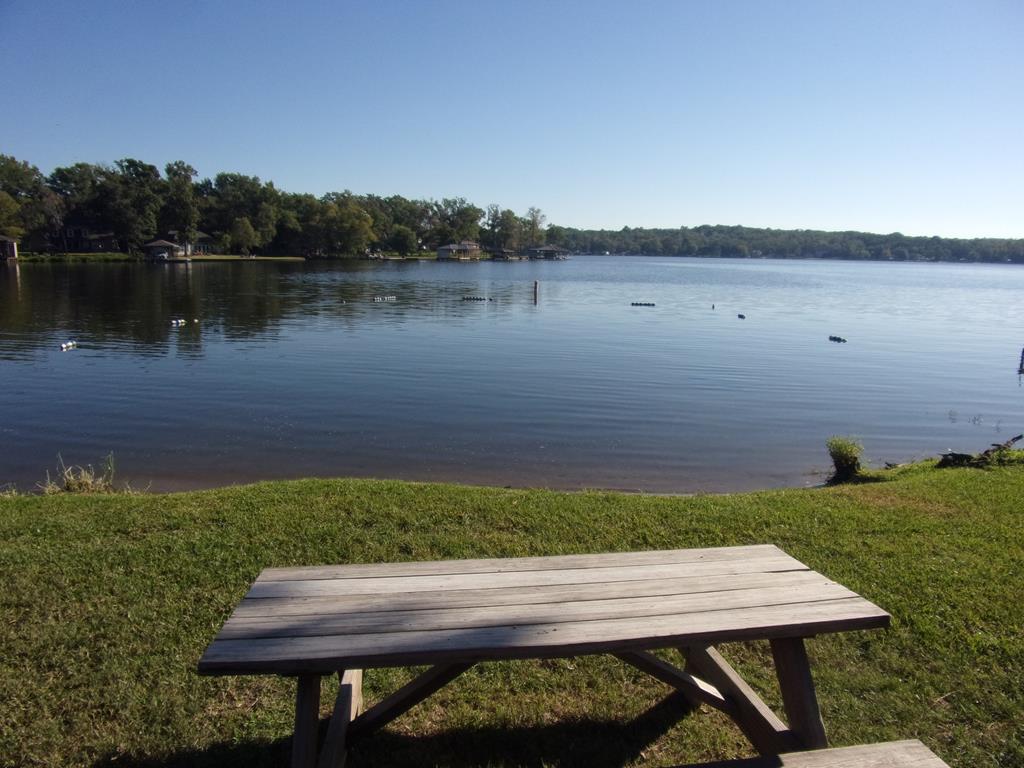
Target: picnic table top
[324,618]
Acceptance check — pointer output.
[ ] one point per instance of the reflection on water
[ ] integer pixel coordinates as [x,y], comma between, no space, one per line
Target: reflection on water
[292,369]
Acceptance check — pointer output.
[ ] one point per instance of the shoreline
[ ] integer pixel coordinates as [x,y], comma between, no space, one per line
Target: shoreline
[179,484]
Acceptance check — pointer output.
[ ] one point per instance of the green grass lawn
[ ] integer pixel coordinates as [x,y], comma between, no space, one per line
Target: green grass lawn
[107,603]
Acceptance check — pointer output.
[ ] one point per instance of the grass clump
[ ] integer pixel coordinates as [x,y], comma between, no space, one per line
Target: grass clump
[845,453]
[78,479]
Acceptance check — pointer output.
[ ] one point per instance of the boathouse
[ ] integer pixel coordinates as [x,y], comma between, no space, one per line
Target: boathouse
[162,250]
[548,252]
[467,250]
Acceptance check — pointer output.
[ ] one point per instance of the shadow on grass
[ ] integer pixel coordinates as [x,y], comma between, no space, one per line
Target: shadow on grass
[597,743]
[861,479]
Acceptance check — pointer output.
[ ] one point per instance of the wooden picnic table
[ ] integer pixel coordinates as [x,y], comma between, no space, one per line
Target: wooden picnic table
[341,619]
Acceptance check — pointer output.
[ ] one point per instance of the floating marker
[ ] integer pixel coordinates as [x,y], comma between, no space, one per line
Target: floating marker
[837,339]
[742,317]
[641,304]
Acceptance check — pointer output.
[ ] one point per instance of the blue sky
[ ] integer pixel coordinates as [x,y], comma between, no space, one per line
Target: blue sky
[880,116]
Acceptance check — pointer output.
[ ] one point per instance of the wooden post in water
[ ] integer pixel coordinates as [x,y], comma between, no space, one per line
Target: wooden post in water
[1020,368]
[536,289]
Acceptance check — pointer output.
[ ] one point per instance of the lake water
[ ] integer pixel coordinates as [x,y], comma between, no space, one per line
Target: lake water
[293,370]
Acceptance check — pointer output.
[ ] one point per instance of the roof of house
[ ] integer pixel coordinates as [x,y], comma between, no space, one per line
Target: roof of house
[200,235]
[465,245]
[6,239]
[161,244]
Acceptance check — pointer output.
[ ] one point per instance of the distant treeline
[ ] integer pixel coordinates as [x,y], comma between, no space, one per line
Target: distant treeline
[119,207]
[748,242]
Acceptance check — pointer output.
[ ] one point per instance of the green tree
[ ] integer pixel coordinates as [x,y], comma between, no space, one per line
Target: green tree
[454,219]
[38,209]
[181,209]
[403,240]
[77,188]
[509,231]
[243,235]
[130,197]
[557,235]
[10,218]
[534,226]
[345,228]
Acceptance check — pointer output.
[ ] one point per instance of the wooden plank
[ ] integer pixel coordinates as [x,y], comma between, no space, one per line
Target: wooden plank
[391,584]
[346,707]
[479,598]
[406,697]
[307,719]
[897,754]
[308,654]
[794,672]
[354,678]
[335,751]
[518,616]
[506,565]
[759,723]
[696,690]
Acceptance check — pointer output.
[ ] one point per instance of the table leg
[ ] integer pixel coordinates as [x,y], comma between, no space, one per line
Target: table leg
[307,721]
[768,734]
[406,697]
[346,707]
[794,672]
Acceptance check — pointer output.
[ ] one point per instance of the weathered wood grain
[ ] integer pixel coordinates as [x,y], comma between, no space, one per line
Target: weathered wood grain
[307,716]
[557,593]
[697,691]
[512,564]
[289,655]
[427,583]
[897,754]
[334,751]
[755,718]
[793,669]
[517,616]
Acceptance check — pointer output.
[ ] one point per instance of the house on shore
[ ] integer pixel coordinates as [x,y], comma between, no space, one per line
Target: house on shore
[82,239]
[202,245]
[8,247]
[552,252]
[467,250]
[163,250]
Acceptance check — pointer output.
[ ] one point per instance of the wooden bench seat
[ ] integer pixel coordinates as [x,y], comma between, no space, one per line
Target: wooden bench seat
[894,754]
